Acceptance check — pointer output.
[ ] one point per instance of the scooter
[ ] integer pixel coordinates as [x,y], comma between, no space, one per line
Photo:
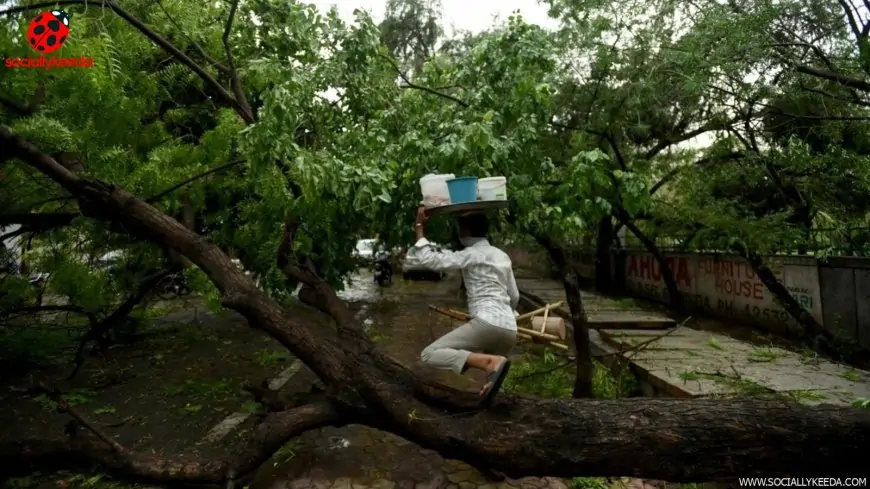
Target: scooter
[383,270]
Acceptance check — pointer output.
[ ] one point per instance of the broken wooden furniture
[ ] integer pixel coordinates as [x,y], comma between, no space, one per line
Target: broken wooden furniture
[531,326]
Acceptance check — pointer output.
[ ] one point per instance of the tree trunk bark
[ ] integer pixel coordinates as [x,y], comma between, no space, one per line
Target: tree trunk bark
[585,368]
[673,440]
[570,282]
[676,440]
[812,328]
[675,297]
[604,240]
[188,219]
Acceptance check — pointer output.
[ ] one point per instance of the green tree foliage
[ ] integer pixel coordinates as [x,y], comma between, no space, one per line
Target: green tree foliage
[589,123]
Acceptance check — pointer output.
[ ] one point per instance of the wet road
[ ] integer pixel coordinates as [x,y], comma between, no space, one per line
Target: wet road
[356,457]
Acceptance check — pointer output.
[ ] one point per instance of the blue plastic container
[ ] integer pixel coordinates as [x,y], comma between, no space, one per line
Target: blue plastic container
[462,190]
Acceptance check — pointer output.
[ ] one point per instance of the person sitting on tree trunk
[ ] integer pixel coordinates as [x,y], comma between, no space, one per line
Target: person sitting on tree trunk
[487,339]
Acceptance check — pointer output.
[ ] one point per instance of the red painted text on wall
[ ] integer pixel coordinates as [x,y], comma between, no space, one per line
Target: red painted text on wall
[647,267]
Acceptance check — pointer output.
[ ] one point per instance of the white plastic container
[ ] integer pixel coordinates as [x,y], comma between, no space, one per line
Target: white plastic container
[492,188]
[434,190]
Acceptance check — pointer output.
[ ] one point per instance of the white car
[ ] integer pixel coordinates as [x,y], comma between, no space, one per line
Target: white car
[418,272]
[365,249]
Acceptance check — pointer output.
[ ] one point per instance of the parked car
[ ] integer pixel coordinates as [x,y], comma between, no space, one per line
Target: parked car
[365,250]
[416,272]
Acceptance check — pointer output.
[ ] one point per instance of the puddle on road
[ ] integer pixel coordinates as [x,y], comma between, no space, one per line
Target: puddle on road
[361,287]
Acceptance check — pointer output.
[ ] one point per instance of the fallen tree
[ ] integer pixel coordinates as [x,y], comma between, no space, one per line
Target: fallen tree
[664,439]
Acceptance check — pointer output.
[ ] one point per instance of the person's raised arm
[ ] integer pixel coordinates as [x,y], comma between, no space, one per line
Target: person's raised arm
[425,255]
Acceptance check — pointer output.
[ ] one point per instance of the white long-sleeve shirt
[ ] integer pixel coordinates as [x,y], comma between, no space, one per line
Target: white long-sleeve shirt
[488,275]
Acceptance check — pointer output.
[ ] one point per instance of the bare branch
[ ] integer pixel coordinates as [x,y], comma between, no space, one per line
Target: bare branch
[846,81]
[666,143]
[235,83]
[113,320]
[163,193]
[211,61]
[409,84]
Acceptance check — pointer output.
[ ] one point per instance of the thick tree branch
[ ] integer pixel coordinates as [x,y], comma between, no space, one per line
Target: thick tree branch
[668,142]
[315,292]
[199,49]
[409,84]
[113,320]
[163,193]
[620,160]
[846,81]
[235,83]
[110,203]
[709,159]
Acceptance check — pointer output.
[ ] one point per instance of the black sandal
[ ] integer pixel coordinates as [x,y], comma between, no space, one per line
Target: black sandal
[496,379]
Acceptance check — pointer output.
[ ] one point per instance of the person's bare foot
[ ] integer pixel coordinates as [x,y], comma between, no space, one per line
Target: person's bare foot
[496,362]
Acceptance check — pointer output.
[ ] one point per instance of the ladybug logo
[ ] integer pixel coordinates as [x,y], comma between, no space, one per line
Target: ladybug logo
[48,31]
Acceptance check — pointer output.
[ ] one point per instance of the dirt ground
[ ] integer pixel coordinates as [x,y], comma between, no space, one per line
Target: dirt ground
[164,392]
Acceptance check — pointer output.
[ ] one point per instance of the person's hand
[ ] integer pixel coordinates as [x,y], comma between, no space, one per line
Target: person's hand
[421,216]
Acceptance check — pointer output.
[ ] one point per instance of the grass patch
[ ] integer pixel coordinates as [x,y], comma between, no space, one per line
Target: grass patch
[189,409]
[107,409]
[589,483]
[809,356]
[75,397]
[205,389]
[689,376]
[552,376]
[850,375]
[152,312]
[287,452]
[267,358]
[69,480]
[713,343]
[741,386]
[805,395]
[626,303]
[763,355]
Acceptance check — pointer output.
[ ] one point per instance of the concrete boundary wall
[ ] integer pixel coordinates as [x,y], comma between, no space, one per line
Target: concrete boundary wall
[835,291]
[845,287]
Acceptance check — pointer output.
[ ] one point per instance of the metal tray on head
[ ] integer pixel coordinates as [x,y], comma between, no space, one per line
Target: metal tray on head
[477,206]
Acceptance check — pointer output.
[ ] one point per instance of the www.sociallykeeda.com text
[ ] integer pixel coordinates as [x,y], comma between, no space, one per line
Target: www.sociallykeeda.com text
[50,62]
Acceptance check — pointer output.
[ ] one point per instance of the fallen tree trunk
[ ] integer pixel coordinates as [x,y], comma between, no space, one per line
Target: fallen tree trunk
[676,440]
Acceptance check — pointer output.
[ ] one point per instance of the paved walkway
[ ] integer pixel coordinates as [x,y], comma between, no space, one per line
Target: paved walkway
[603,312]
[686,362]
